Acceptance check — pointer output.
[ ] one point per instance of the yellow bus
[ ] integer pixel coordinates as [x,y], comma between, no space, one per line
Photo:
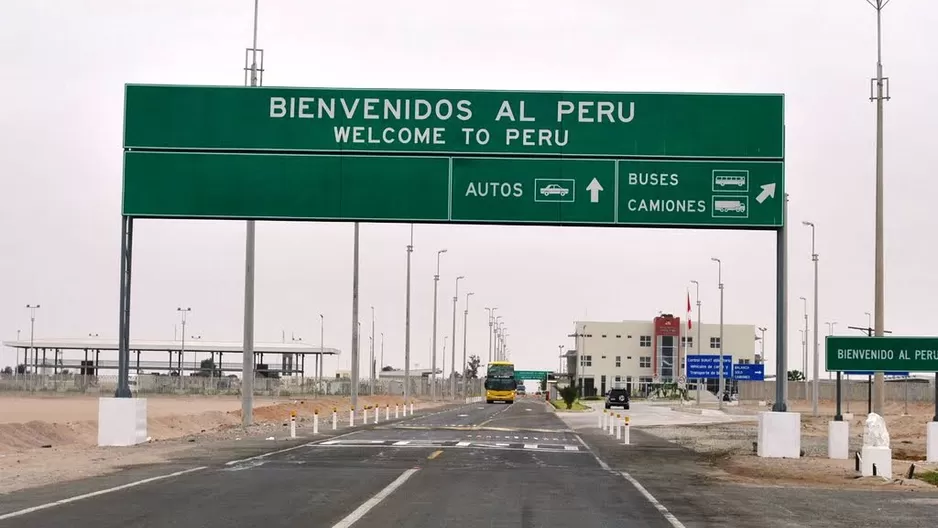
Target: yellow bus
[500,383]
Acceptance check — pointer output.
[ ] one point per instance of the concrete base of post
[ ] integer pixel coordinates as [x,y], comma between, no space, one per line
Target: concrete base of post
[838,440]
[779,435]
[931,442]
[881,456]
[122,421]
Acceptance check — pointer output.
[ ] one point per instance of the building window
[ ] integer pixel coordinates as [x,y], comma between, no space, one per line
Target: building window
[743,361]
[644,362]
[714,342]
[604,357]
[586,361]
[618,380]
[618,336]
[604,336]
[687,341]
[644,341]
[618,361]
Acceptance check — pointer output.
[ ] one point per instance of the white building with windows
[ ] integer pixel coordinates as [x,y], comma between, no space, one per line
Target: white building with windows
[634,354]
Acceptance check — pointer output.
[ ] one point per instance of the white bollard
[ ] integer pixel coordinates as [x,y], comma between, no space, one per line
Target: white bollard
[351,417]
[397,409]
[387,412]
[334,421]
[609,424]
[601,417]
[411,408]
[618,427]
[365,416]
[316,422]
[626,437]
[292,424]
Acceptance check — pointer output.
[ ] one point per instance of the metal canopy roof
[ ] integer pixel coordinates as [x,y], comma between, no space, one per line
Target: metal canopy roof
[193,345]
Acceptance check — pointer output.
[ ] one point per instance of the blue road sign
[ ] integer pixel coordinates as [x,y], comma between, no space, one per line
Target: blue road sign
[708,366]
[748,372]
[870,373]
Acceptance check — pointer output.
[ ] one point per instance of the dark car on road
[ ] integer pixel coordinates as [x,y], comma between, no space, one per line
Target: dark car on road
[617,398]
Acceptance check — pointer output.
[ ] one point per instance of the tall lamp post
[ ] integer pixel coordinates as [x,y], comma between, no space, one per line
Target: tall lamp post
[436,283]
[762,330]
[465,340]
[452,377]
[371,354]
[807,335]
[830,332]
[182,312]
[322,348]
[32,336]
[491,323]
[720,281]
[410,249]
[817,359]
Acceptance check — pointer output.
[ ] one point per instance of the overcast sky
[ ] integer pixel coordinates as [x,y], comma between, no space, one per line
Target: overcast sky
[66,63]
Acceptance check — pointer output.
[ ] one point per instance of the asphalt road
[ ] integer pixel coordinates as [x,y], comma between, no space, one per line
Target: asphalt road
[470,465]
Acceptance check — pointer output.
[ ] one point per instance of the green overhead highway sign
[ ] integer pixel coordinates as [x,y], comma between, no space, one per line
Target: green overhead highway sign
[458,190]
[331,120]
[882,354]
[531,374]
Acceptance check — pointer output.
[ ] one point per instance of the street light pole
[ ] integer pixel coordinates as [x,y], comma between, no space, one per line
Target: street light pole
[720,281]
[436,282]
[322,326]
[805,342]
[817,358]
[182,350]
[371,354]
[881,86]
[452,377]
[381,362]
[410,249]
[830,331]
[491,322]
[465,340]
[356,324]
[699,344]
[32,334]
[762,330]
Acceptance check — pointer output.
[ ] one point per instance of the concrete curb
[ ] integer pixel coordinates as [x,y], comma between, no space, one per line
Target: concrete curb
[689,410]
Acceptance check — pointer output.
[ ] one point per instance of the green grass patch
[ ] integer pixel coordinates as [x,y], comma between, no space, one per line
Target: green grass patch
[930,477]
[561,406]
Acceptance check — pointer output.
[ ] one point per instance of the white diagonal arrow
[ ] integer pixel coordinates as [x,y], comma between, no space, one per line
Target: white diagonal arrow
[768,191]
[594,187]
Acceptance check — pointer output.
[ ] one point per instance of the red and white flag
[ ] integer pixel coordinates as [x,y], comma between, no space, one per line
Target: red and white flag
[688,310]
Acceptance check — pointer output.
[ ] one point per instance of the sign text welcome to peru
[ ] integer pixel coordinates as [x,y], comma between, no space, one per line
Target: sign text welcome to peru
[457,122]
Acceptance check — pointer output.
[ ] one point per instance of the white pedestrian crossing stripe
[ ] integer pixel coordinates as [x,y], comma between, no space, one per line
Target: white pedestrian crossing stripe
[427,443]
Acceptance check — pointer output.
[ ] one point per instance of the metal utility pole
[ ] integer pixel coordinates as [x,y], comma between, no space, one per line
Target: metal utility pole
[410,249]
[465,340]
[720,281]
[182,350]
[381,362]
[579,348]
[256,72]
[699,344]
[32,336]
[560,351]
[762,330]
[356,324]
[804,342]
[879,88]
[491,322]
[817,357]
[442,391]
[436,283]
[781,313]
[319,360]
[830,332]
[452,377]
[371,354]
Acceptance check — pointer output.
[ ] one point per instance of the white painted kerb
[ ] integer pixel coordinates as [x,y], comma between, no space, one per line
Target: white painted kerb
[122,421]
[838,440]
[881,456]
[779,435]
[931,441]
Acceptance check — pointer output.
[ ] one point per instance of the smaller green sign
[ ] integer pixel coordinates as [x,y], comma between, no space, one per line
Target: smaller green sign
[882,354]
[531,374]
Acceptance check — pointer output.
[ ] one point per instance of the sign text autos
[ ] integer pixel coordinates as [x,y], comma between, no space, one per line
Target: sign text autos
[406,114]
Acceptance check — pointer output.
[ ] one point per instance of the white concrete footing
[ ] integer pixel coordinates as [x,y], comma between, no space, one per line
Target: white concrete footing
[779,435]
[122,421]
[881,456]
[931,442]
[838,440]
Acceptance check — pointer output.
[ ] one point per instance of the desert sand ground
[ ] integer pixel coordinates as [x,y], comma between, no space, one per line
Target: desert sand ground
[44,440]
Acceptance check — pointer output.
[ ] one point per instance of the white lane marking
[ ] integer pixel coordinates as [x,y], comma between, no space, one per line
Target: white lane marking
[331,442]
[500,444]
[24,511]
[654,502]
[377,441]
[463,444]
[571,448]
[530,446]
[401,443]
[360,512]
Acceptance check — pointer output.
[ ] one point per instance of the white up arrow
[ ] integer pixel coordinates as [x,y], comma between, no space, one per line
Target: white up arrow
[594,187]
[768,191]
